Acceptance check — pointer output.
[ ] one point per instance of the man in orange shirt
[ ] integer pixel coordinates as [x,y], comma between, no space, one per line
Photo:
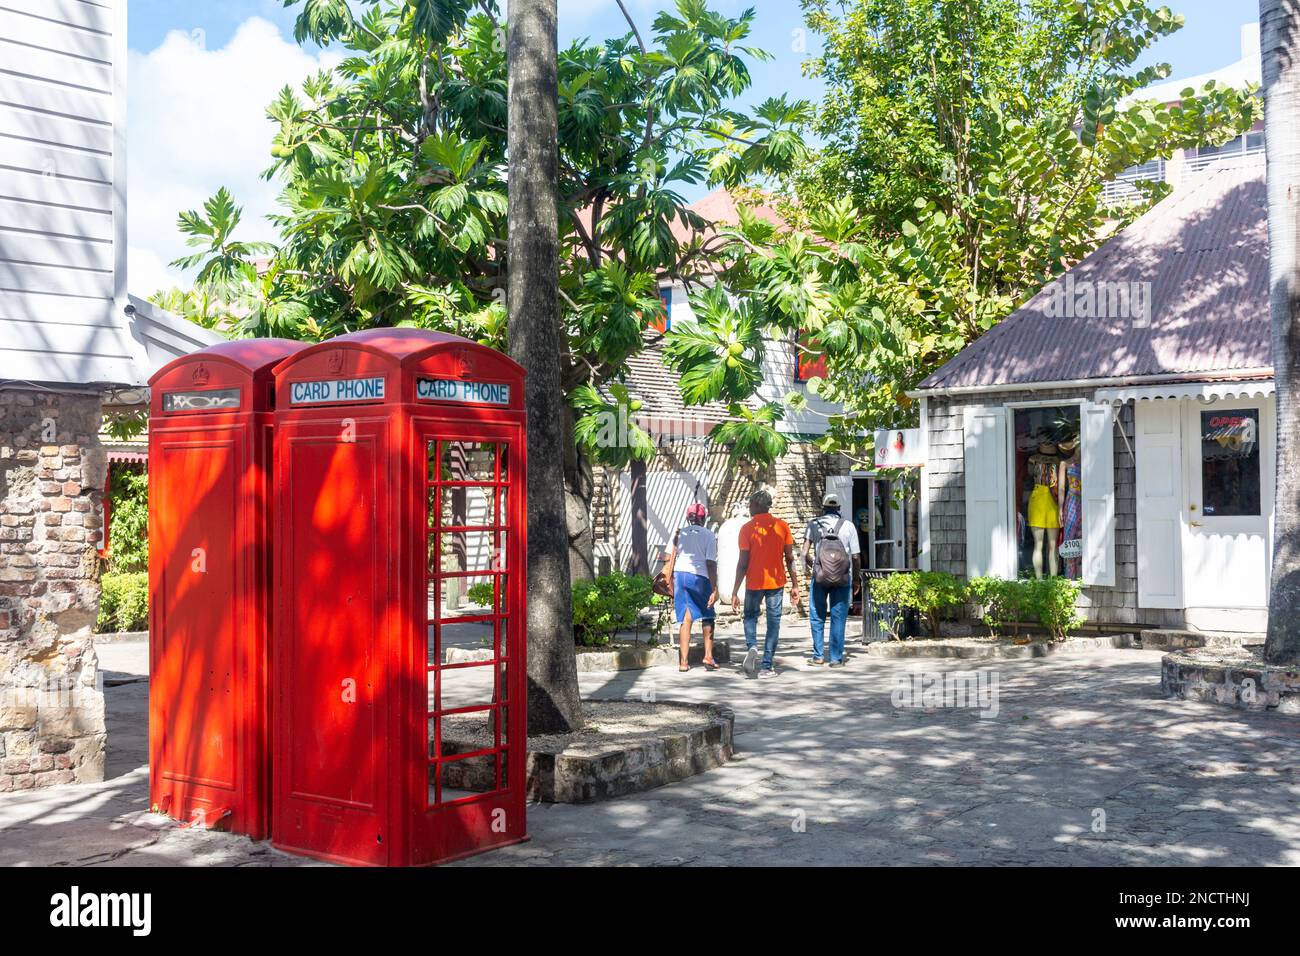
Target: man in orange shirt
[766,554]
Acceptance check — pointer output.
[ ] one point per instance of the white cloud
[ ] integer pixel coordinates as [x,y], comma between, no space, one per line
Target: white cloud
[147,271]
[197,121]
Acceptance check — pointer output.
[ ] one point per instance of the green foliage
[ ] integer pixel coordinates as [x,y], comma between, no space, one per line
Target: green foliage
[123,602]
[751,435]
[930,593]
[126,423]
[226,266]
[200,307]
[719,356]
[964,149]
[1001,602]
[610,603]
[392,170]
[481,593]
[128,532]
[1054,603]
[606,429]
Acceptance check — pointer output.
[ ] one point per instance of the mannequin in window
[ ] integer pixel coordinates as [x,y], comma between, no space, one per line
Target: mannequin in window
[1069,498]
[1047,471]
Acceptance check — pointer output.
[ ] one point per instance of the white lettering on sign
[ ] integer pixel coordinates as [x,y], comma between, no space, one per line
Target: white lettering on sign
[337,390]
[456,390]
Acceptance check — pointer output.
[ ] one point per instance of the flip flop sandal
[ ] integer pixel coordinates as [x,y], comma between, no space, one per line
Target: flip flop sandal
[710,664]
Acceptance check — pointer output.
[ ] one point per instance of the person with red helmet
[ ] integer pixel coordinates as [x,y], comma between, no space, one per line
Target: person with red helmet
[693,561]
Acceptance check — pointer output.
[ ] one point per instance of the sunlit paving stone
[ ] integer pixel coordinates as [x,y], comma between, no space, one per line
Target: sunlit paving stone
[826,770]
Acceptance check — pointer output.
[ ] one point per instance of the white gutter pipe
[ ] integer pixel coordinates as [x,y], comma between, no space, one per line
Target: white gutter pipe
[1234,376]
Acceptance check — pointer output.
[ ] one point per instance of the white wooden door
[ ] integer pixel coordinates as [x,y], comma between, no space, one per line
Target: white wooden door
[1157,447]
[989,538]
[1227,545]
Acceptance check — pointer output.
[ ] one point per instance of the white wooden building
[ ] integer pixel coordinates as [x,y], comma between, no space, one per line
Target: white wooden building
[1154,352]
[66,319]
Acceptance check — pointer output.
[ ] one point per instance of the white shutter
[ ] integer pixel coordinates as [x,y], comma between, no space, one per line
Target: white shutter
[1097,467]
[989,538]
[1157,446]
[923,489]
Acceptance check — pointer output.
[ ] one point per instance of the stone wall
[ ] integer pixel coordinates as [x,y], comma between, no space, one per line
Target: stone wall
[946,487]
[52,471]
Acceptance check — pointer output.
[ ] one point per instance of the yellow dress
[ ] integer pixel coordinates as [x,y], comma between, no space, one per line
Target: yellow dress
[1042,500]
[1042,508]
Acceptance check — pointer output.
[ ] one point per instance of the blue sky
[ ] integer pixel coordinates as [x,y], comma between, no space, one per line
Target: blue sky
[201,75]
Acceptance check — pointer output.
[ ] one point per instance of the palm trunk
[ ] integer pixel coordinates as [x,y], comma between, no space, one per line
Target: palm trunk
[1279,22]
[554,705]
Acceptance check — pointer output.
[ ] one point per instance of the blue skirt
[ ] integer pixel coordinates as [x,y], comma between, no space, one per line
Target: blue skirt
[691,592]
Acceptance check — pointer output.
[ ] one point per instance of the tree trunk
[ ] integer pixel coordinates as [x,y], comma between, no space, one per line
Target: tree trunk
[579,487]
[640,559]
[554,705]
[1279,22]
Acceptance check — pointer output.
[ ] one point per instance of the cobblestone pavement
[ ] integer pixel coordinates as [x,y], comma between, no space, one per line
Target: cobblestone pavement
[829,771]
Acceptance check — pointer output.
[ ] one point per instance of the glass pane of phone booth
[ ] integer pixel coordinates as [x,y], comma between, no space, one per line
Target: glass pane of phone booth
[467,616]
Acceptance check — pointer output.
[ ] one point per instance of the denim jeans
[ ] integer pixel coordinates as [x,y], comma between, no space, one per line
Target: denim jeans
[774,599]
[838,598]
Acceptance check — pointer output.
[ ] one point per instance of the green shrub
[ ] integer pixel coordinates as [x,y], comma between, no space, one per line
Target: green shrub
[123,602]
[930,593]
[1001,602]
[480,593]
[610,603]
[128,529]
[1054,602]
[1051,601]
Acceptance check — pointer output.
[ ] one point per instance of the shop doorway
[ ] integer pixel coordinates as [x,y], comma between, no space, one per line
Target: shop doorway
[883,510]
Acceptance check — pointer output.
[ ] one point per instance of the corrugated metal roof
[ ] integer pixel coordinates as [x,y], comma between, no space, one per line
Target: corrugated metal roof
[1200,257]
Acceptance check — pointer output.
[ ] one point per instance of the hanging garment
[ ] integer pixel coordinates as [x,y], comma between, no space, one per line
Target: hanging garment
[1072,517]
[1044,470]
[1042,508]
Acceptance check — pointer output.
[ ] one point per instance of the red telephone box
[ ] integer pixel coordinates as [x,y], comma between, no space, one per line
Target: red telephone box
[399,481]
[209,584]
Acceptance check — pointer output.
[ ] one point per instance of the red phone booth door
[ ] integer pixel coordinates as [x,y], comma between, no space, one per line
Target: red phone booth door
[335,565]
[475,735]
[195,652]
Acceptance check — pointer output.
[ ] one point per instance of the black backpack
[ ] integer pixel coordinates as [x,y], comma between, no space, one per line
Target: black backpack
[832,562]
